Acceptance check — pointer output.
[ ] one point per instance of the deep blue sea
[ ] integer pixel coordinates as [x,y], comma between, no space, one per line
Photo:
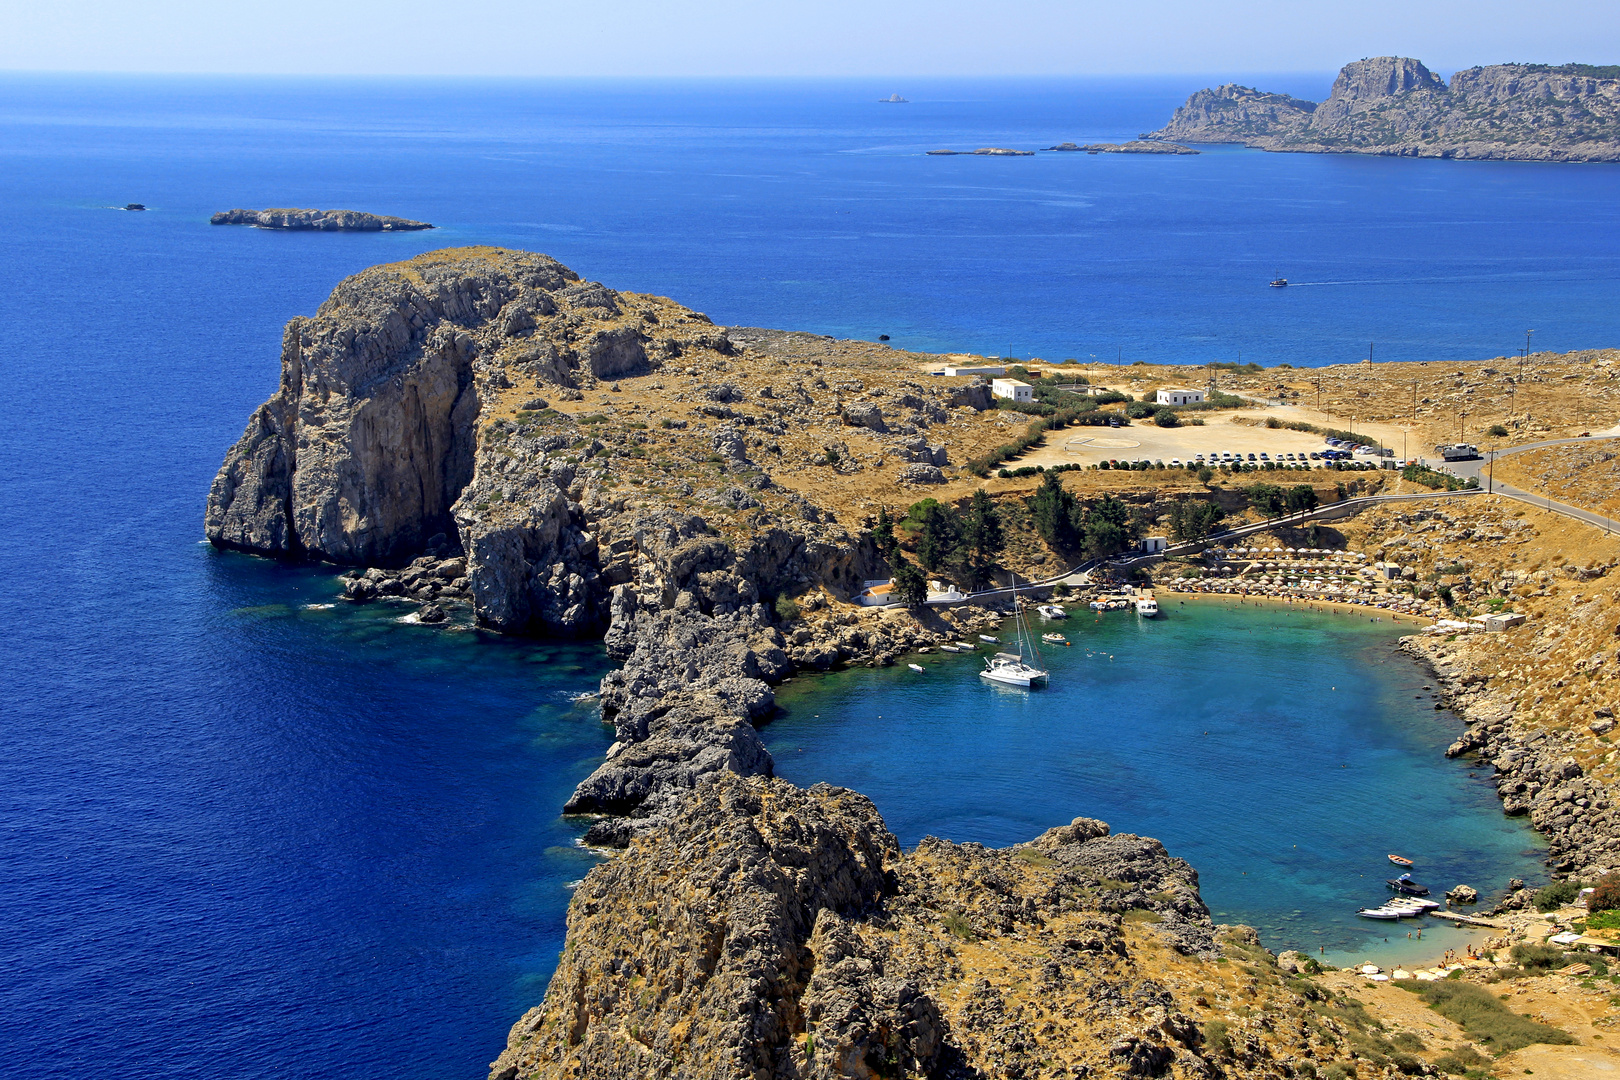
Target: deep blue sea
[239,827]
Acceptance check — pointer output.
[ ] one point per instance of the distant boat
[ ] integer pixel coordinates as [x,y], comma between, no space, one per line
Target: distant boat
[1389,914]
[1052,611]
[1400,860]
[1147,606]
[915,667]
[893,99]
[1055,639]
[1279,282]
[988,640]
[134,206]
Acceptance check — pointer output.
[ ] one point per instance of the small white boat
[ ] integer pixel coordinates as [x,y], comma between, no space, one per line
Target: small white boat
[1011,669]
[1147,606]
[966,645]
[988,640]
[949,649]
[1015,669]
[1052,611]
[915,667]
[1098,605]
[1386,914]
[1055,639]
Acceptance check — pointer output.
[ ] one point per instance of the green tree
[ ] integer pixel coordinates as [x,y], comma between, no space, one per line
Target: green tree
[1166,418]
[1205,474]
[1192,519]
[1301,497]
[941,533]
[1268,499]
[910,585]
[1053,509]
[982,538]
[1104,538]
[883,535]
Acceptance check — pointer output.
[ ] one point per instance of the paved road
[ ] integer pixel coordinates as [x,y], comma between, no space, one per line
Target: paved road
[1481,469]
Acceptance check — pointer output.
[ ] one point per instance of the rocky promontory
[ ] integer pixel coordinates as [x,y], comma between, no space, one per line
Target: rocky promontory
[292,220]
[1395,106]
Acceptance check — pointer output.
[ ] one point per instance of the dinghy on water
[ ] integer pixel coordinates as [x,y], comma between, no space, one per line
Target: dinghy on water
[918,668]
[1400,860]
[988,640]
[1055,639]
[1385,913]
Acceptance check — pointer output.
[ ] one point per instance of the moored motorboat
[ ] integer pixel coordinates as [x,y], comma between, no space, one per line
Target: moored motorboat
[1405,884]
[1385,913]
[1400,860]
[1052,611]
[949,649]
[915,667]
[988,640]
[1147,606]
[1055,639]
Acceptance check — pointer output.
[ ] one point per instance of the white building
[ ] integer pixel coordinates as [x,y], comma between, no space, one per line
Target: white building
[1012,389]
[1152,544]
[988,370]
[1180,397]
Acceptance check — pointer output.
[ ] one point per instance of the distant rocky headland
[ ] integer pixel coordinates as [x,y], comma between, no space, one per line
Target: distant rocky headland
[1395,106]
[294,220]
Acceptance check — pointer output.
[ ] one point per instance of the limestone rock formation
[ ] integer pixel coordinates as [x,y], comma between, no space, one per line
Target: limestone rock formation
[1396,106]
[770,931]
[291,220]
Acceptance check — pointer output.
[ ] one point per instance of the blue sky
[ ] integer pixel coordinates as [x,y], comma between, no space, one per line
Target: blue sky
[891,38]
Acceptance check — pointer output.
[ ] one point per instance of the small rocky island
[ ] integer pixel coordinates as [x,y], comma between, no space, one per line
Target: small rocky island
[985,151]
[1395,106]
[295,220]
[1135,146]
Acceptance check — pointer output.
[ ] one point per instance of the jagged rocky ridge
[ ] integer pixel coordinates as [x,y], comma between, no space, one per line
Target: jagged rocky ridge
[1396,106]
[774,931]
[295,220]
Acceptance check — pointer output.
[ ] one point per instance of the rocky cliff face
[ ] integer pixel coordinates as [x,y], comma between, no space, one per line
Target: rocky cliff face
[772,931]
[1395,105]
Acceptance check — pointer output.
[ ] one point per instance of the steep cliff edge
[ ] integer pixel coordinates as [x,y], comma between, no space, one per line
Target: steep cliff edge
[772,931]
[1396,106]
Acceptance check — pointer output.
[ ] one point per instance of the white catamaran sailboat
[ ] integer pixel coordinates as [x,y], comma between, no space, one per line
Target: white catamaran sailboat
[1023,667]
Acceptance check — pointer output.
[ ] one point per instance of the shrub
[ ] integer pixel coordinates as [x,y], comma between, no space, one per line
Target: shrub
[1483,1016]
[1557,894]
[1166,418]
[1538,957]
[787,609]
[1217,1037]
[1205,474]
[957,925]
[1605,894]
[1497,431]
[1459,1060]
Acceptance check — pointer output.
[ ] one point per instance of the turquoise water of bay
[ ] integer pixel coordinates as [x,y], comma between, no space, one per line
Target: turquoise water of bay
[313,842]
[1284,752]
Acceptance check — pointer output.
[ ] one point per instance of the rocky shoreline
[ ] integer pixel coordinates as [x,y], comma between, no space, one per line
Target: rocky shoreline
[1536,773]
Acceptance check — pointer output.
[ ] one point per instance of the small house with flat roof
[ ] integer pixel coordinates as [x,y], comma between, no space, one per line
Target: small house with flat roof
[1180,397]
[1012,390]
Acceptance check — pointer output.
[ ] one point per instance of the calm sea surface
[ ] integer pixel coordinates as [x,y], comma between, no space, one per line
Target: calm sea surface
[238,826]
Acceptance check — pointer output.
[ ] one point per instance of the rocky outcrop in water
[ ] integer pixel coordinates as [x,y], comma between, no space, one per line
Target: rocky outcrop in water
[1396,106]
[1135,146]
[772,931]
[292,220]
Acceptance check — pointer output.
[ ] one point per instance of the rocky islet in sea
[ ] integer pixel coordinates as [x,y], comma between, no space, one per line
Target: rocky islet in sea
[296,220]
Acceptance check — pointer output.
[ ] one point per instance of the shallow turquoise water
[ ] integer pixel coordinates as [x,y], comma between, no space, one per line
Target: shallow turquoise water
[1283,752]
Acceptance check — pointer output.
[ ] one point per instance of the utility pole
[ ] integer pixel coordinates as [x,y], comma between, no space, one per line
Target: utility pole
[1319,393]
[1490,473]
[1369,352]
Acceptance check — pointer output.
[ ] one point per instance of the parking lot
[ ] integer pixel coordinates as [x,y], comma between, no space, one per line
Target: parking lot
[1142,439]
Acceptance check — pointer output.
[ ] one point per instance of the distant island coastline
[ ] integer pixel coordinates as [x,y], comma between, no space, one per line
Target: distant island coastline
[1395,106]
[295,220]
